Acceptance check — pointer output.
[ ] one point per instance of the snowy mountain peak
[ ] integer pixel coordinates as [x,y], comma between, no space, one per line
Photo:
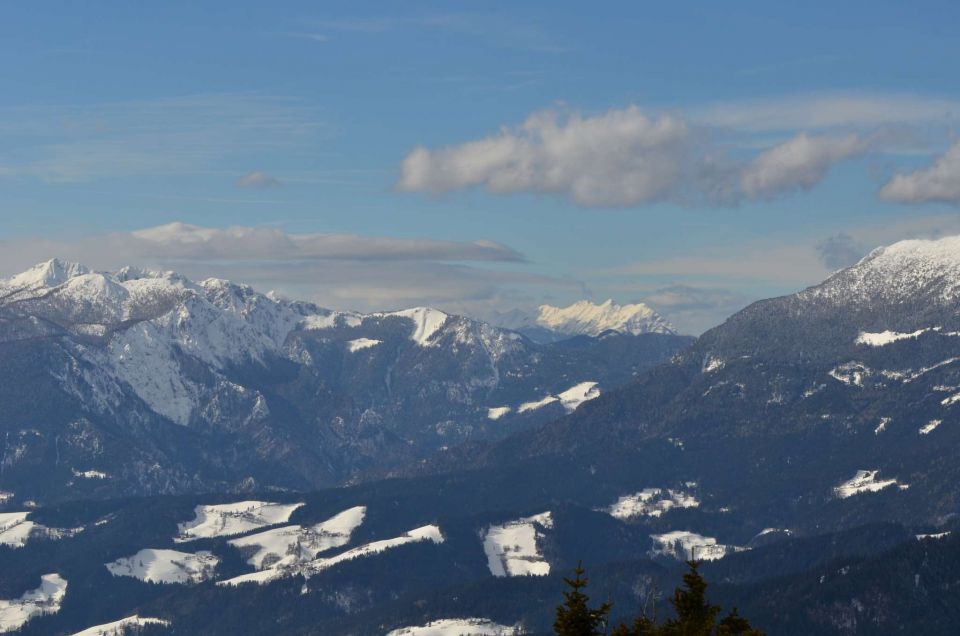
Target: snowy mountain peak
[587,318]
[915,268]
[49,274]
[426,322]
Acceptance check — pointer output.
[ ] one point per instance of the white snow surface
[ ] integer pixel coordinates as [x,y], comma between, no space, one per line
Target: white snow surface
[570,399]
[886,337]
[497,412]
[122,626]
[684,545]
[16,530]
[538,404]
[309,568]
[864,481]
[929,427]
[45,599]
[578,394]
[166,566]
[459,627]
[905,270]
[429,533]
[224,520]
[290,546]
[650,502]
[426,323]
[512,550]
[362,343]
[586,318]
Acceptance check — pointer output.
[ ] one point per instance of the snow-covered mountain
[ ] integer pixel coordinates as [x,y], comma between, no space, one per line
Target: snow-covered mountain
[162,383]
[585,318]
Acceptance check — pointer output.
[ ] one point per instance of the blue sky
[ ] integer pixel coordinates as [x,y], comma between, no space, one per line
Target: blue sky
[694,155]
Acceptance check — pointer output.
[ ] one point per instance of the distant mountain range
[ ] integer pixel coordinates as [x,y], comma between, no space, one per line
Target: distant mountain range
[163,384]
[550,324]
[808,449]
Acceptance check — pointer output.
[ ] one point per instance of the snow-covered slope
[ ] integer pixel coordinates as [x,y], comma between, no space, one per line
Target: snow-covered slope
[459,627]
[45,599]
[587,318]
[224,520]
[166,566]
[905,270]
[122,626]
[279,552]
[512,548]
[268,392]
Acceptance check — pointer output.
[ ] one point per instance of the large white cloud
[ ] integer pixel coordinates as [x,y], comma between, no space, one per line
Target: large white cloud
[799,163]
[622,158]
[939,182]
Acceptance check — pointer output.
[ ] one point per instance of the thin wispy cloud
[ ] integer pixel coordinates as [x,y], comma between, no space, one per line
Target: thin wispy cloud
[821,111]
[496,30]
[257,180]
[156,137]
[342,271]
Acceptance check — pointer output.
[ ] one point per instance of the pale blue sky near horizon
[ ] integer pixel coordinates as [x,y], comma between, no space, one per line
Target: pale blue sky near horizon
[649,182]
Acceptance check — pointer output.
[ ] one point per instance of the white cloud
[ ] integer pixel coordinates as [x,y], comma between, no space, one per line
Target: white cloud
[939,182]
[822,111]
[799,163]
[621,157]
[336,270]
[257,180]
[181,241]
[157,137]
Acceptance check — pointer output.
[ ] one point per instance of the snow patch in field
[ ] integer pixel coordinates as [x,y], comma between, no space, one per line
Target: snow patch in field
[16,530]
[929,427]
[45,599]
[953,399]
[850,373]
[511,548]
[224,520]
[166,566]
[539,404]
[284,549]
[89,474]
[684,546]
[887,337]
[122,626]
[569,399]
[711,364]
[864,481]
[429,533]
[578,394]
[426,533]
[650,502]
[497,412]
[936,535]
[362,343]
[459,627]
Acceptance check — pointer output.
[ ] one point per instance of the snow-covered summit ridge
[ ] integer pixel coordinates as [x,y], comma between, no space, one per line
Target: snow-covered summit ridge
[926,269]
[586,318]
